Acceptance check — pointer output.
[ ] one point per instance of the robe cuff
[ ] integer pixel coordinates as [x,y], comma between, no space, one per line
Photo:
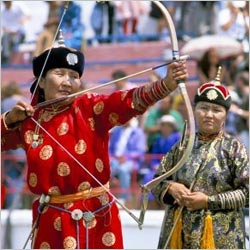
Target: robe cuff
[149,94]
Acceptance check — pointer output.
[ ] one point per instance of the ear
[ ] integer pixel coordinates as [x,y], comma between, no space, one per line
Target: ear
[42,83]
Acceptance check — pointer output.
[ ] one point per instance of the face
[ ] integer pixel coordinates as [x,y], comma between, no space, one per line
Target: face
[166,129]
[210,118]
[60,82]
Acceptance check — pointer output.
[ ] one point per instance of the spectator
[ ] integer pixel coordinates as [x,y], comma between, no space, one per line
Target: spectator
[97,20]
[102,18]
[151,126]
[233,21]
[54,9]
[167,138]
[233,116]
[155,26]
[207,67]
[71,26]
[122,84]
[13,16]
[127,14]
[46,37]
[14,161]
[196,18]
[127,147]
[242,87]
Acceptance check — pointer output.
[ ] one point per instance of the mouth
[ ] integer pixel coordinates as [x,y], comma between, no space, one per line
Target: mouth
[208,123]
[64,92]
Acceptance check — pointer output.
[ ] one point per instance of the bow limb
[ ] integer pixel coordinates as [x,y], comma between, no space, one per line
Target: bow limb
[175,50]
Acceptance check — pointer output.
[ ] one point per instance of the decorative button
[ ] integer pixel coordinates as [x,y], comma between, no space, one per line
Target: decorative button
[88,216]
[76,214]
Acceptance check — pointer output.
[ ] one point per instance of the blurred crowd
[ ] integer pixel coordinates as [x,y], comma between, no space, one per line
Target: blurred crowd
[138,145]
[119,21]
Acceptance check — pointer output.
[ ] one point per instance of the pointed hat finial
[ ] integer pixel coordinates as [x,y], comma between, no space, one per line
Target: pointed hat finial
[60,40]
[217,79]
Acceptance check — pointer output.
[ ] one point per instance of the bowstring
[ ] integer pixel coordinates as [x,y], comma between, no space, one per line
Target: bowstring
[52,45]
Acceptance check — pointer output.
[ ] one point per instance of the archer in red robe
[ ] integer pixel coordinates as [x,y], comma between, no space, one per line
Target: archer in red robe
[67,156]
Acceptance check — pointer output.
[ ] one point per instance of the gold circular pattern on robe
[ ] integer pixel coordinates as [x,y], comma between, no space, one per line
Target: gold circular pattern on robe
[83,186]
[33,179]
[98,108]
[108,239]
[63,169]
[63,128]
[69,243]
[55,190]
[99,165]
[80,147]
[28,136]
[44,245]
[92,123]
[113,118]
[58,224]
[104,199]
[46,152]
[91,224]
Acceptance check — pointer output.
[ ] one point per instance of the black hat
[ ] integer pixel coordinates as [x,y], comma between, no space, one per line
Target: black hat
[59,57]
[214,92]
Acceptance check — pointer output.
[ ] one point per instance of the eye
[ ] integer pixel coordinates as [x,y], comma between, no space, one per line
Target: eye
[74,76]
[204,107]
[217,110]
[59,73]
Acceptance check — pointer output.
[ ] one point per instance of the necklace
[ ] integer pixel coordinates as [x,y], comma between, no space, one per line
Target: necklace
[37,139]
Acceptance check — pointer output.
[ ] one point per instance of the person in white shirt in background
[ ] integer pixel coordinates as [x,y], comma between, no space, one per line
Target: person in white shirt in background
[233,21]
[13,17]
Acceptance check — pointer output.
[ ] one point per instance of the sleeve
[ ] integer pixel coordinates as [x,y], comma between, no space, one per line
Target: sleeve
[121,106]
[239,196]
[10,137]
[160,191]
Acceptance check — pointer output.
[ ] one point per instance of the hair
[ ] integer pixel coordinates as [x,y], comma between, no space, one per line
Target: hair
[204,63]
[118,74]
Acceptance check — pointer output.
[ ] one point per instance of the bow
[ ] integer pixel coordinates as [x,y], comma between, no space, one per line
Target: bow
[175,50]
[146,188]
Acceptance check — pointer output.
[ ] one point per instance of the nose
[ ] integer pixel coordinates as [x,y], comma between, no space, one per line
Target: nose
[209,113]
[67,80]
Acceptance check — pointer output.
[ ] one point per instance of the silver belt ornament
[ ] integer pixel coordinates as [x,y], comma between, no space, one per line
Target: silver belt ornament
[78,214]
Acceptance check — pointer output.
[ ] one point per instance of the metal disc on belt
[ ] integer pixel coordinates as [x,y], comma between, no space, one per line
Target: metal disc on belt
[76,214]
[88,216]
